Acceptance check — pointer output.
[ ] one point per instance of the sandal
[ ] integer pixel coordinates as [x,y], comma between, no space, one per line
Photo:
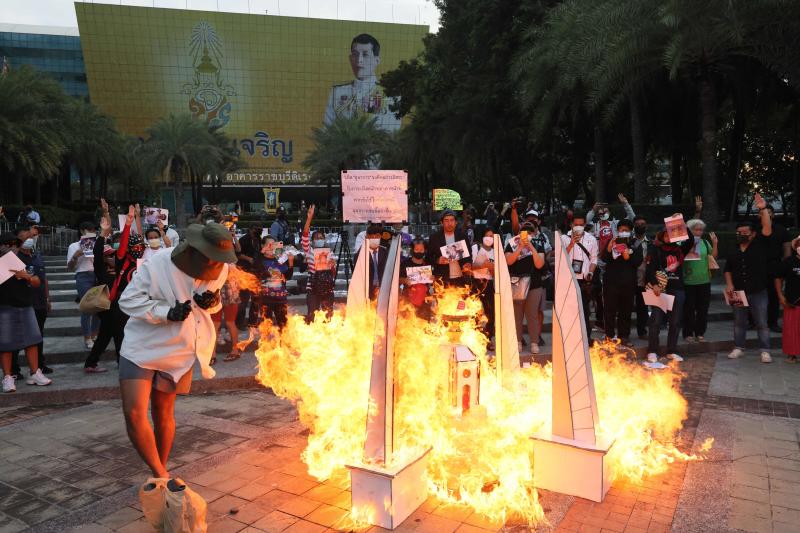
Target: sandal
[233,356]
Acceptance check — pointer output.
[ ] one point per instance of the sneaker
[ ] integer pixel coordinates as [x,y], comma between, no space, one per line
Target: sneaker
[46,370]
[674,357]
[38,379]
[95,369]
[534,349]
[8,384]
[220,340]
[766,357]
[652,357]
[89,343]
[736,353]
[700,338]
[690,340]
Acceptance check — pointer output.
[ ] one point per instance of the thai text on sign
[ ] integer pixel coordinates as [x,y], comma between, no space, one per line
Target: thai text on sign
[446,199]
[374,196]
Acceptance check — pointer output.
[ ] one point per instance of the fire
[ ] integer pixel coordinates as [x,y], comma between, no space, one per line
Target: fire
[482,459]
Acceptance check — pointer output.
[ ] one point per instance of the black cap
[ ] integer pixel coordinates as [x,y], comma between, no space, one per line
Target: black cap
[446,213]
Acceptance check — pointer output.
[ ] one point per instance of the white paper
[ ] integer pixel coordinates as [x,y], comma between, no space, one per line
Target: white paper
[87,244]
[456,251]
[676,229]
[153,214]
[654,366]
[739,299]
[663,301]
[374,196]
[9,264]
[322,258]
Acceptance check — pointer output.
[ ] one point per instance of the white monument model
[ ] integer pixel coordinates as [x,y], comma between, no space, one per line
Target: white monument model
[571,460]
[384,489]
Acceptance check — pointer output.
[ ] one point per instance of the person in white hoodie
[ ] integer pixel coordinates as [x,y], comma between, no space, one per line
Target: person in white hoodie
[170,301]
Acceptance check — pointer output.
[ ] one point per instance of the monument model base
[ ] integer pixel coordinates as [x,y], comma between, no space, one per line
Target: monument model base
[389,495]
[571,467]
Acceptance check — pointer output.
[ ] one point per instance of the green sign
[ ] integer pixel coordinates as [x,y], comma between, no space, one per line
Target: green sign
[446,199]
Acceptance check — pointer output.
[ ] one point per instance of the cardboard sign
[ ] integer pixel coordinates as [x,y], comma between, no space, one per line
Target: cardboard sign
[446,199]
[374,196]
[676,228]
[153,214]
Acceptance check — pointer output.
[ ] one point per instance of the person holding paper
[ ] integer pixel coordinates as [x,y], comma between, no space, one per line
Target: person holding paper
[664,273]
[321,278]
[18,327]
[83,266]
[417,293]
[619,282]
[483,280]
[582,251]
[747,269]
[273,272]
[789,297]
[697,281]
[449,271]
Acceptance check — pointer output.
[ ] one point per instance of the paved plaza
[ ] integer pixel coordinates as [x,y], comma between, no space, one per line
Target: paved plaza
[69,467]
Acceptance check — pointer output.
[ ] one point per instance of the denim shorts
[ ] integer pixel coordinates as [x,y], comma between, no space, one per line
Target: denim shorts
[162,381]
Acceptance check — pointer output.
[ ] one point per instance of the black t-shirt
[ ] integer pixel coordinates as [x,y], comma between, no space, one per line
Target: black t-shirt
[789,270]
[749,268]
[249,248]
[524,266]
[778,236]
[16,292]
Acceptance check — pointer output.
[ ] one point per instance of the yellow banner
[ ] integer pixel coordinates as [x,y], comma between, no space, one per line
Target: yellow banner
[446,199]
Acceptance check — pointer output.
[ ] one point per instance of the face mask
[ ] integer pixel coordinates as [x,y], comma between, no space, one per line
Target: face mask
[577,229]
[624,234]
[137,252]
[418,255]
[741,239]
[374,243]
[319,243]
[115,246]
[154,243]
[29,244]
[488,242]
[604,216]
[640,229]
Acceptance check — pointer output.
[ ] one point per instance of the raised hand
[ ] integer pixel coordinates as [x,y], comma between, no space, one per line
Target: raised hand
[622,198]
[180,311]
[131,213]
[137,210]
[310,214]
[104,205]
[713,237]
[160,225]
[759,201]
[698,203]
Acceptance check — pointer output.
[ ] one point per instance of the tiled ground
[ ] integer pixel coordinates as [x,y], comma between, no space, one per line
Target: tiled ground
[71,468]
[749,378]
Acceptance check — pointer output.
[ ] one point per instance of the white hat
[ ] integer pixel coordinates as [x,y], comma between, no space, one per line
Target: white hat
[532,212]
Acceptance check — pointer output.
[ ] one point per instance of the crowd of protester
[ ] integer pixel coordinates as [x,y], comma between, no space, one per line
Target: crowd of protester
[615,262]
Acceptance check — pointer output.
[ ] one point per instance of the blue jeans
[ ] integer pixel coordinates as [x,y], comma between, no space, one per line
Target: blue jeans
[758,307]
[673,318]
[90,324]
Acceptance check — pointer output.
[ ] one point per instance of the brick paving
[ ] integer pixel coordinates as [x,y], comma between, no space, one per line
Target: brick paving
[241,452]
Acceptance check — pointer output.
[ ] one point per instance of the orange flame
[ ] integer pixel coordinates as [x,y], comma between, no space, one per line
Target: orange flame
[483,459]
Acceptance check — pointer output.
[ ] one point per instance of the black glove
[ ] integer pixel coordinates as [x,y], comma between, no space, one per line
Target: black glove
[180,312]
[207,300]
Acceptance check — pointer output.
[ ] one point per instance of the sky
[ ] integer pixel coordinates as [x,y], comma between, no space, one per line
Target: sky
[62,12]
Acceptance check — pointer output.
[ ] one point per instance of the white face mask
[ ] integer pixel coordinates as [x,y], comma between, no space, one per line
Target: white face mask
[577,230]
[624,234]
[319,243]
[374,243]
[29,244]
[604,216]
[154,243]
[488,241]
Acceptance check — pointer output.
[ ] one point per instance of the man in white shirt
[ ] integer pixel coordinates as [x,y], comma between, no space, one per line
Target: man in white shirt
[582,251]
[170,301]
[80,259]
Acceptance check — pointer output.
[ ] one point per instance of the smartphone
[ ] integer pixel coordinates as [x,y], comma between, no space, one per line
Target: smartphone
[523,235]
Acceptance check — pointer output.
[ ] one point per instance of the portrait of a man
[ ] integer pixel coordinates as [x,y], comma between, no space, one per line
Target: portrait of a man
[363,95]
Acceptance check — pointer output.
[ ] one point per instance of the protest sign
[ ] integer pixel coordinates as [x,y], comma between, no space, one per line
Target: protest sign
[456,251]
[446,199]
[676,228]
[420,275]
[374,196]
[153,214]
[87,244]
[322,258]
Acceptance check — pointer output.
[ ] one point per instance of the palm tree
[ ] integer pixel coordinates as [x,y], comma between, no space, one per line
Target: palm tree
[32,137]
[178,148]
[345,144]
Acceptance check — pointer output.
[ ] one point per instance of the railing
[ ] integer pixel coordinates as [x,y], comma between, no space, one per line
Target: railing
[51,240]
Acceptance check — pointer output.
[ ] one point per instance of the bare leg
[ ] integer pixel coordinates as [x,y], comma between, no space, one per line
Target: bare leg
[32,353]
[135,397]
[230,321]
[163,411]
[5,359]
